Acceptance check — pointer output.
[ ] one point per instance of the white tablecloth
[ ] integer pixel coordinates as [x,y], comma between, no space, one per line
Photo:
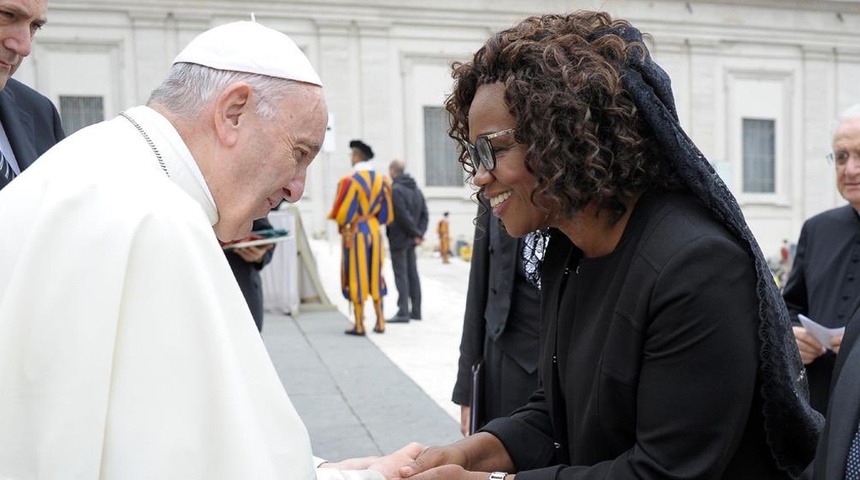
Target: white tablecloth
[280,277]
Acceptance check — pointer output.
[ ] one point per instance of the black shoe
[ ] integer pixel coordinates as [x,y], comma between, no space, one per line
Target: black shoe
[355,332]
[397,320]
[415,318]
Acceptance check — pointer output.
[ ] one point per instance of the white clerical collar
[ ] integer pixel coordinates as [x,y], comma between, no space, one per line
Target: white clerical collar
[178,161]
[366,165]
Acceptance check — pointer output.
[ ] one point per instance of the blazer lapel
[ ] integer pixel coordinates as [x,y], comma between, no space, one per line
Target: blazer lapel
[844,410]
[18,125]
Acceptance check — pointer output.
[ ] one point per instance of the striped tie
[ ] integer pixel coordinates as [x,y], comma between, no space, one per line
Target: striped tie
[6,172]
[852,466]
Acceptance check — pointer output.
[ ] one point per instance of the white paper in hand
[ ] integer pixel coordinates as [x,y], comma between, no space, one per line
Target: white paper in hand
[820,332]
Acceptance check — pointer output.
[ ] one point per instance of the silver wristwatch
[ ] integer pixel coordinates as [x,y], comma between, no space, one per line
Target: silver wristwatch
[498,475]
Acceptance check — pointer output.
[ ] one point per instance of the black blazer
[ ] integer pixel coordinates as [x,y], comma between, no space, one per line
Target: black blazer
[31,121]
[649,357]
[843,413]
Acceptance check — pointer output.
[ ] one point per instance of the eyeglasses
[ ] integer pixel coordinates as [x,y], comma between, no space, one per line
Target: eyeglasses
[482,152]
[841,157]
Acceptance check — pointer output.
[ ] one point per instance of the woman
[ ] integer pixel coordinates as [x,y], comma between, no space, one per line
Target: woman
[665,349]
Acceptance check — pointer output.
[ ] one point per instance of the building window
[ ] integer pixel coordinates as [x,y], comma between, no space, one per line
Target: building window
[759,155]
[78,112]
[440,152]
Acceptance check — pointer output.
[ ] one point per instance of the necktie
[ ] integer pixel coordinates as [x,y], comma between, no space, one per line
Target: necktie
[852,465]
[6,172]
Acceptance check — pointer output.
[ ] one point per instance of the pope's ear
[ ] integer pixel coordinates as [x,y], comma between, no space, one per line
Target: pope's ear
[231,110]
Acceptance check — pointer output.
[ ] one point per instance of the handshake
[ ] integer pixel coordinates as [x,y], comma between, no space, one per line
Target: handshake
[416,462]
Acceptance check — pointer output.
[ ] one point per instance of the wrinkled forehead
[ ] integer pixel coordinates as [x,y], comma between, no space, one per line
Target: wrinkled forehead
[313,128]
[847,133]
[28,9]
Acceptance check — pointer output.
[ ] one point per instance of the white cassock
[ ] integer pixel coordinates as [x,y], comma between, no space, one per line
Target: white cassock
[126,348]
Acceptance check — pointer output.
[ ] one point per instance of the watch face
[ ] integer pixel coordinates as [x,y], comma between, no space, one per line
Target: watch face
[498,475]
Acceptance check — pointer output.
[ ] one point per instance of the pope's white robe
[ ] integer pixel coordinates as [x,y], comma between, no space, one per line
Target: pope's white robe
[126,348]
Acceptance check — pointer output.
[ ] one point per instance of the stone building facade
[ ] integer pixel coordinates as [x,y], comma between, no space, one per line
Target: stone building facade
[757,82]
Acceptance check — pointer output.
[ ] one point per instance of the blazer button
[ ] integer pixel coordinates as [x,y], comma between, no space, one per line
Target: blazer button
[557,445]
[554,359]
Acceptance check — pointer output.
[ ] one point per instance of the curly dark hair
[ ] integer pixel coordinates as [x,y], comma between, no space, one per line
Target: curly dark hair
[562,77]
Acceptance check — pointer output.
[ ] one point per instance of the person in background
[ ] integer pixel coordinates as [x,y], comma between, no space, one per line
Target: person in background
[500,325]
[443,231]
[665,348]
[246,263]
[362,204]
[838,454]
[822,284]
[405,234]
[147,365]
[29,122]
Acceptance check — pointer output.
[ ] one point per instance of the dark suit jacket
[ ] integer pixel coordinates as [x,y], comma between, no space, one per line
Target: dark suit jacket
[843,413]
[31,122]
[823,284]
[248,275]
[492,278]
[410,213]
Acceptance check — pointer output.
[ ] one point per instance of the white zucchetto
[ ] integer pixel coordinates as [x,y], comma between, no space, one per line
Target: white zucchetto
[252,48]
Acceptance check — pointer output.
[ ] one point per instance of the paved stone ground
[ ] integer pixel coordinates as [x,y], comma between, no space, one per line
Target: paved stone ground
[354,400]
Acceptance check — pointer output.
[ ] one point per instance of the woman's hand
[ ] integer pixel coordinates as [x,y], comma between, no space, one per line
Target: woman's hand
[389,466]
[451,472]
[434,457]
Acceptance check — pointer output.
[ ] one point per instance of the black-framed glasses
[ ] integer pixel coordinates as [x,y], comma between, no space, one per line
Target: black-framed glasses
[482,152]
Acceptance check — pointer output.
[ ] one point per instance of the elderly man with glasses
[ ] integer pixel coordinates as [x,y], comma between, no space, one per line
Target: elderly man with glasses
[823,284]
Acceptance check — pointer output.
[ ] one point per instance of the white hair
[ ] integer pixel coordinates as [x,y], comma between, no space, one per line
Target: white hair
[189,88]
[850,113]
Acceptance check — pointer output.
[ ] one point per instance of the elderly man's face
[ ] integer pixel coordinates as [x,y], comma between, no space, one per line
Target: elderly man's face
[846,150]
[273,161]
[19,21]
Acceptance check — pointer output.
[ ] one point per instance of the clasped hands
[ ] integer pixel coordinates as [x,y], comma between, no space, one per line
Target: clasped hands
[414,462]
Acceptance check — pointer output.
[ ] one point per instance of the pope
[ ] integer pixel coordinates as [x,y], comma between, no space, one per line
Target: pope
[126,348]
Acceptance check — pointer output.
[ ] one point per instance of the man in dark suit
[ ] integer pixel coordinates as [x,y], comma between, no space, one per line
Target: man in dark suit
[822,282]
[843,412]
[405,234]
[831,240]
[246,264]
[500,325]
[30,122]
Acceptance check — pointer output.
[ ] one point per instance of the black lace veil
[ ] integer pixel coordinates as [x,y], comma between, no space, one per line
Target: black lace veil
[791,425]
